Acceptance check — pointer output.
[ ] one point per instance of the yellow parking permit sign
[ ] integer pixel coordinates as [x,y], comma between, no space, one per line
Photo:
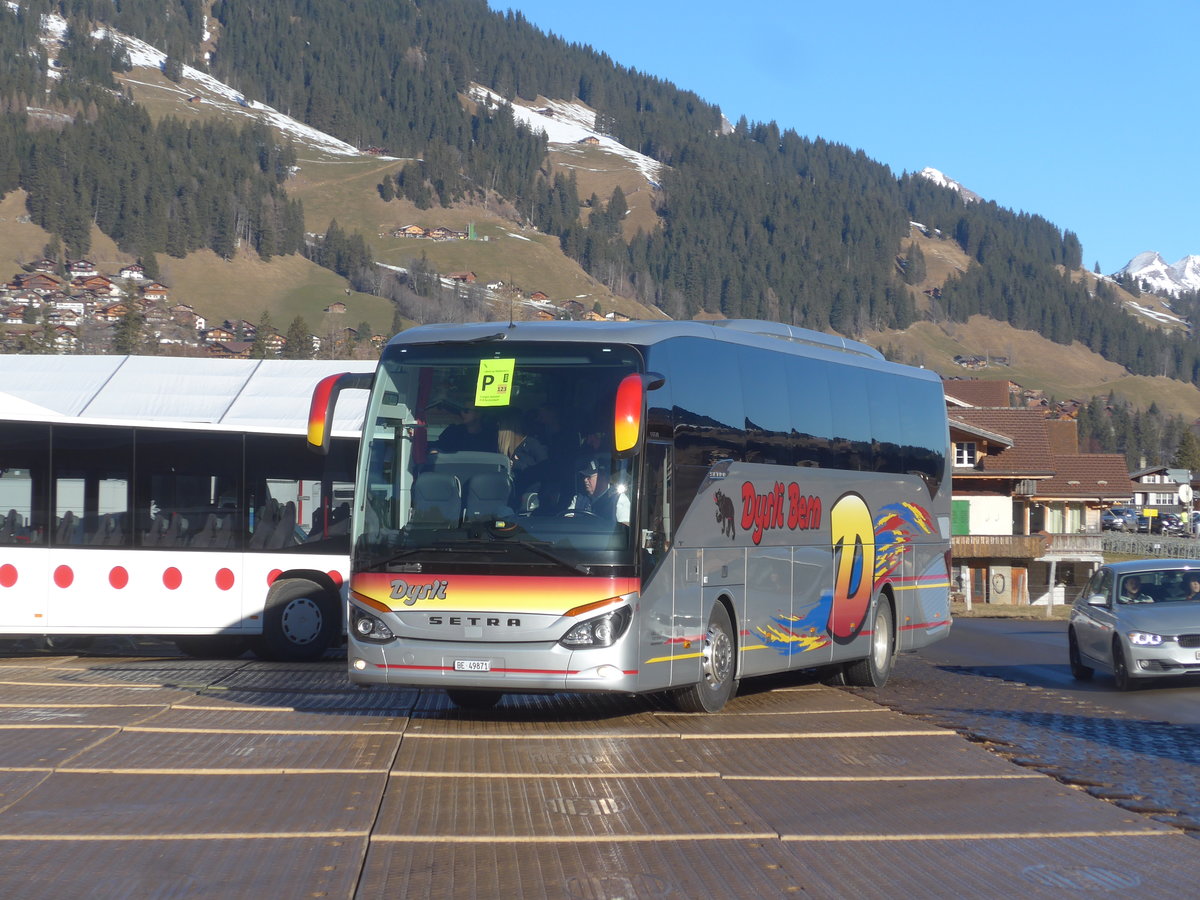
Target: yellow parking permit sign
[494,387]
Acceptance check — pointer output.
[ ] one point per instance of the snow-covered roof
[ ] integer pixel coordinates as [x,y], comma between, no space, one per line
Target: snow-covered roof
[251,395]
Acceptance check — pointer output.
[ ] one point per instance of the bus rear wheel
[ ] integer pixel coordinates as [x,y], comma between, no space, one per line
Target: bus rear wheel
[718,666]
[875,670]
[211,646]
[300,621]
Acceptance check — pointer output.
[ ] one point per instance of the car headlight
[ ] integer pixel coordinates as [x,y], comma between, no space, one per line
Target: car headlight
[1145,639]
[366,627]
[602,631]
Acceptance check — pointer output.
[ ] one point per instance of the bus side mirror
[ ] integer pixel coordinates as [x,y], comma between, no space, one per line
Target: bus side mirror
[324,400]
[629,412]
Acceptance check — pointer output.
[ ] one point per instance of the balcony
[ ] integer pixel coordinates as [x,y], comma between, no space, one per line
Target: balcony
[1028,546]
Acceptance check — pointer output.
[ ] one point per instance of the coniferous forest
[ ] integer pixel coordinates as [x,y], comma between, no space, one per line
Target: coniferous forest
[755,221]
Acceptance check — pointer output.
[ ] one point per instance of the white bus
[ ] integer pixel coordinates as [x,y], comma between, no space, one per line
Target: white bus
[695,503]
[172,497]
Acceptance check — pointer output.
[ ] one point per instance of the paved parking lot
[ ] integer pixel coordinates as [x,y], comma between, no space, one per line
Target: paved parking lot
[155,776]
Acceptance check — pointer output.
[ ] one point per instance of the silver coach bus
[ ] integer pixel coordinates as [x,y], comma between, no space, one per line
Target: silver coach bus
[637,507]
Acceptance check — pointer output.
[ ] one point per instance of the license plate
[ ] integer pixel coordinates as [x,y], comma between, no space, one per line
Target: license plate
[472,665]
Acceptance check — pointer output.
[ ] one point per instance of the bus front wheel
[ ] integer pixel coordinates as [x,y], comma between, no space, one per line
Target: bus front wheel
[300,621]
[877,667]
[467,699]
[718,665]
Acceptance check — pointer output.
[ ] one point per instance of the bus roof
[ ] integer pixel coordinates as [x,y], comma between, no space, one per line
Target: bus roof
[245,395]
[752,332]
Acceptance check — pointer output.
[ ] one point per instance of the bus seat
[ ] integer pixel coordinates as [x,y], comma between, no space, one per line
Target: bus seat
[207,533]
[487,497]
[158,525]
[264,524]
[284,533]
[437,500]
[175,534]
[8,528]
[108,530]
[67,531]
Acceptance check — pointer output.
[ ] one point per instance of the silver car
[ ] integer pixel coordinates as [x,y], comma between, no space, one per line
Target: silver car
[1138,619]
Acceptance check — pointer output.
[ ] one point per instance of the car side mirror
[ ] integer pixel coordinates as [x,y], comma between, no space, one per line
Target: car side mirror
[1098,600]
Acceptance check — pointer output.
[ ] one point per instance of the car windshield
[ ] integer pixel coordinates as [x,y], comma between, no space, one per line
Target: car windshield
[1160,586]
[488,457]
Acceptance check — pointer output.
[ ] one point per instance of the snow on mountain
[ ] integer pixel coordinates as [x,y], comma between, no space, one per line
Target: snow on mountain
[1152,270]
[943,180]
[567,123]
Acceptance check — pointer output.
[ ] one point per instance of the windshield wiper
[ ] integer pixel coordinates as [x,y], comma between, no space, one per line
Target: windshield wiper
[540,550]
[405,552]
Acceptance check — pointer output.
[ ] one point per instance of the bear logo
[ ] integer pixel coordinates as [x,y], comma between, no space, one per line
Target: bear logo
[724,514]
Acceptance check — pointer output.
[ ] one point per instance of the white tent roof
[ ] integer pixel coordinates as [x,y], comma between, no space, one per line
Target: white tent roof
[251,395]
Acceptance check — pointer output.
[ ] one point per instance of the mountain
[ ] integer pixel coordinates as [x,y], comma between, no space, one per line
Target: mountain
[1152,271]
[313,130]
[943,180]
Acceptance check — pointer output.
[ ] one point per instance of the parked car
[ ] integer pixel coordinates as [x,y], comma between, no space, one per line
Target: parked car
[1138,619]
[1119,518]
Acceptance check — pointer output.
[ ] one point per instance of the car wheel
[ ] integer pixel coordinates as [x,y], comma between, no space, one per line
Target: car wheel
[1079,671]
[1121,676]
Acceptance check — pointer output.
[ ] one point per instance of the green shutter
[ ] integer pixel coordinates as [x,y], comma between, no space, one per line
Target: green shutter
[960,516]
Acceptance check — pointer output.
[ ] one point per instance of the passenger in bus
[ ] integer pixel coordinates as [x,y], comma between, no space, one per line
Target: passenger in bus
[599,497]
[524,451]
[471,432]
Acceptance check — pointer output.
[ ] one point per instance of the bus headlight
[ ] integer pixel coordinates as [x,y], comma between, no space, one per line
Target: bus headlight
[367,627]
[602,631]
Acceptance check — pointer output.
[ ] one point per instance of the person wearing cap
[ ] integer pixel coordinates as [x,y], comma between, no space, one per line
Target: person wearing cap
[599,497]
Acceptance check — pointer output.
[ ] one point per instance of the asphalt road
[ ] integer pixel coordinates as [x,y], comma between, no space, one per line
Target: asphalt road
[1034,652]
[1005,684]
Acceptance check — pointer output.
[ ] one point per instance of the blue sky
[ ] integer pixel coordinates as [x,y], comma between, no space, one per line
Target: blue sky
[1081,112]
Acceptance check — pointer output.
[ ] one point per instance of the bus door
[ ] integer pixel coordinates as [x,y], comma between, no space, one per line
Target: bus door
[662,571]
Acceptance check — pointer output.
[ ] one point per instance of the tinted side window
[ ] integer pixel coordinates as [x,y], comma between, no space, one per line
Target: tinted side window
[188,491]
[706,390]
[811,403]
[295,500]
[924,435]
[92,470]
[851,420]
[24,483]
[765,406]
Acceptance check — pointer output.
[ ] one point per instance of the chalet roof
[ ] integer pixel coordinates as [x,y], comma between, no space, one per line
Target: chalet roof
[977,391]
[1094,476]
[1063,435]
[256,395]
[975,431]
[1029,455]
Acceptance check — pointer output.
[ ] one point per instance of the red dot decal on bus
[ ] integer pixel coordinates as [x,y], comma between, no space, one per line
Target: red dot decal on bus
[224,579]
[272,575]
[118,577]
[63,576]
[335,577]
[8,575]
[172,578]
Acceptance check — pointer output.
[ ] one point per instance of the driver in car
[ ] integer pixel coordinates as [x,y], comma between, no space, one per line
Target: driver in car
[1131,591]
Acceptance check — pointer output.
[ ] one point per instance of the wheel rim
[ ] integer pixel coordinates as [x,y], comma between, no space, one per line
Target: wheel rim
[301,621]
[1120,670]
[718,658]
[880,642]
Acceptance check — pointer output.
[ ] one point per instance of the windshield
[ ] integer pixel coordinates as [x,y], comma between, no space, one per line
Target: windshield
[495,455]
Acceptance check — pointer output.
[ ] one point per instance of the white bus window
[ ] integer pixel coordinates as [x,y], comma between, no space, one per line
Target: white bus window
[187,493]
[91,478]
[24,478]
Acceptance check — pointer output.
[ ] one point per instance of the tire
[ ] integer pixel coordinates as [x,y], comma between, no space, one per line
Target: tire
[211,646]
[718,668]
[1079,671]
[300,621]
[1121,677]
[467,699]
[875,670]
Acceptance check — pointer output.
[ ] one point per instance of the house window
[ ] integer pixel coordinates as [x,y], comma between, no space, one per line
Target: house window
[964,453]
